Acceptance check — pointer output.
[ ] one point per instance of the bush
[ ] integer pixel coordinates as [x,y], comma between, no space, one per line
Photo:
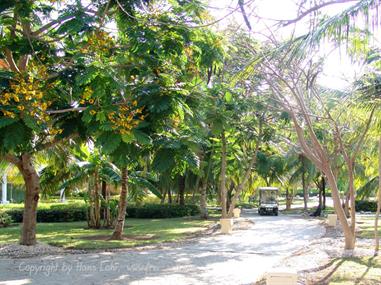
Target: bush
[74,213]
[162,211]
[5,220]
[366,206]
[59,213]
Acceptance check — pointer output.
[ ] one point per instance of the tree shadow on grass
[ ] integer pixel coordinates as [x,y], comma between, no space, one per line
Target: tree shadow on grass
[326,273]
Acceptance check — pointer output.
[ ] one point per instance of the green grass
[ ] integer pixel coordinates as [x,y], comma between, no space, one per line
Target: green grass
[73,235]
[299,210]
[350,271]
[365,227]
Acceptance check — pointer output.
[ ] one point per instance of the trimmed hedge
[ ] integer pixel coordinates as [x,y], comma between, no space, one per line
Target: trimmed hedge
[53,215]
[162,211]
[366,206]
[68,213]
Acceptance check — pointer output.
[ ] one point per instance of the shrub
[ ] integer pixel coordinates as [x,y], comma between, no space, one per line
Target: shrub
[59,213]
[15,214]
[366,206]
[78,212]
[162,211]
[5,220]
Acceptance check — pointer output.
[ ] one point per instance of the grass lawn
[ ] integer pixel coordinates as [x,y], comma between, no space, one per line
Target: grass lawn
[354,270]
[138,232]
[350,271]
[365,227]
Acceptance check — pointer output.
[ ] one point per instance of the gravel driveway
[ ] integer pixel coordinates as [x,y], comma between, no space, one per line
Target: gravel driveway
[240,258]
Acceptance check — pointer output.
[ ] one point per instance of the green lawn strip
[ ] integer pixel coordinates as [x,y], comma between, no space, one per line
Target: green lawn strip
[299,210]
[142,231]
[350,271]
[365,227]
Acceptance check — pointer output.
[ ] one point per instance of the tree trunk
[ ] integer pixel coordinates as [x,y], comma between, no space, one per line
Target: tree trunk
[323,191]
[352,197]
[245,178]
[182,190]
[97,208]
[90,211]
[350,239]
[376,236]
[289,198]
[107,222]
[229,197]
[122,206]
[94,207]
[305,190]
[169,196]
[223,192]
[346,204]
[196,189]
[163,196]
[203,201]
[32,189]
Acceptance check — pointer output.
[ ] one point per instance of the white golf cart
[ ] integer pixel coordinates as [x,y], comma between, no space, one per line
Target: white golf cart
[268,201]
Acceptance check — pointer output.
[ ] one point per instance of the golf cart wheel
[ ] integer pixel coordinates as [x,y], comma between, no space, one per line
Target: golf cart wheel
[276,212]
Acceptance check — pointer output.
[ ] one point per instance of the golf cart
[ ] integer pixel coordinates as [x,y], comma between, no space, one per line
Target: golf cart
[268,201]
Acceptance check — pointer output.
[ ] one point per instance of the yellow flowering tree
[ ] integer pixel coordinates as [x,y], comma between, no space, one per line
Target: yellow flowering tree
[65,74]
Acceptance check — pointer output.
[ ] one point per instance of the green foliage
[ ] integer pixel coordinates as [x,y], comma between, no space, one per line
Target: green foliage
[75,212]
[366,206]
[159,211]
[369,189]
[5,219]
[59,213]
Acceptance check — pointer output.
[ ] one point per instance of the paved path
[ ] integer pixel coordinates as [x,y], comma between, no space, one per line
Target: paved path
[239,258]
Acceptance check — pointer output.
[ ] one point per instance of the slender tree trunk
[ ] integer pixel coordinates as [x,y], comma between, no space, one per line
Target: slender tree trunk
[346,204]
[223,191]
[289,197]
[229,197]
[90,212]
[348,236]
[376,236]
[32,189]
[169,196]
[323,192]
[94,206]
[106,208]
[246,177]
[97,208]
[181,190]
[163,196]
[305,190]
[203,201]
[204,191]
[196,188]
[352,197]
[122,206]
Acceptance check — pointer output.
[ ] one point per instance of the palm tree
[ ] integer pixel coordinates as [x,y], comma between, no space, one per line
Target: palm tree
[301,169]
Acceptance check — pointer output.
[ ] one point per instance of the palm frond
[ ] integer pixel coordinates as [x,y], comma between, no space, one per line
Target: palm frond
[368,189]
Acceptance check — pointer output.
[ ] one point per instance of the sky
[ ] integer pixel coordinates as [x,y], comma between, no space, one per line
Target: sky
[338,71]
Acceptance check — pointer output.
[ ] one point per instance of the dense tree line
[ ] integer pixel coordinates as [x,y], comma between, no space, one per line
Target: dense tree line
[146,98]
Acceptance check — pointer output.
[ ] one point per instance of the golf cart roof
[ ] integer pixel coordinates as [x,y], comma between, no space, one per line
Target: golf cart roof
[268,188]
